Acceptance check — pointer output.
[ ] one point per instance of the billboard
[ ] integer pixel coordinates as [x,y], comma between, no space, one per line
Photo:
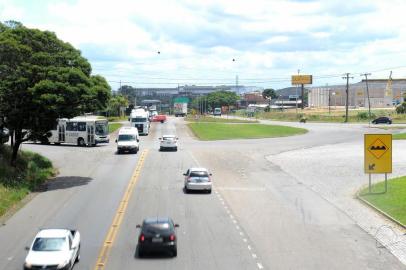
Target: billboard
[302,79]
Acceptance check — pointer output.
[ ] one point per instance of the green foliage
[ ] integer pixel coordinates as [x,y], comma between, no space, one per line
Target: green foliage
[41,79]
[115,102]
[401,109]
[269,93]
[365,116]
[216,99]
[16,182]
[31,169]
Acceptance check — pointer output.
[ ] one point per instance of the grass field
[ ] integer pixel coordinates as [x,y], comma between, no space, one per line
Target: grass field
[399,136]
[15,183]
[223,131]
[211,119]
[393,202]
[114,126]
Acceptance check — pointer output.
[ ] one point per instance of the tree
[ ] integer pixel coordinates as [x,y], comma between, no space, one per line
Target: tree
[41,79]
[222,98]
[269,93]
[115,103]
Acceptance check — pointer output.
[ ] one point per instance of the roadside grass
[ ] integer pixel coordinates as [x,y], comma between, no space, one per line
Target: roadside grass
[212,119]
[117,118]
[15,183]
[225,131]
[114,126]
[393,202]
[399,136]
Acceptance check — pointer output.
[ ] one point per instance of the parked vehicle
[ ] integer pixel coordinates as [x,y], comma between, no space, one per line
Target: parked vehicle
[168,142]
[159,118]
[53,249]
[180,109]
[81,130]
[157,234]
[217,111]
[198,179]
[140,119]
[382,120]
[128,140]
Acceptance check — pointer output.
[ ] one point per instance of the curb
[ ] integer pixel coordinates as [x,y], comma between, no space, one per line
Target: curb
[381,212]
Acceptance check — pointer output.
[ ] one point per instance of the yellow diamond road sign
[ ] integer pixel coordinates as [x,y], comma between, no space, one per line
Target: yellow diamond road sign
[378,153]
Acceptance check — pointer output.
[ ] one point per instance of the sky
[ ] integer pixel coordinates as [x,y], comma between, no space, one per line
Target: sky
[163,43]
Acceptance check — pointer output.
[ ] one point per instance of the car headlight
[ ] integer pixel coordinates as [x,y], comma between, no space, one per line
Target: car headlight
[62,265]
[27,265]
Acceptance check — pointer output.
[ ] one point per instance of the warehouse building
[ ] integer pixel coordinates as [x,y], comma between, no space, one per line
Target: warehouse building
[382,93]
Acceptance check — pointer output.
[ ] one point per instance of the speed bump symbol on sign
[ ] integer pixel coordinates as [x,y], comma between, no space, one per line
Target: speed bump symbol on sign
[378,153]
[378,148]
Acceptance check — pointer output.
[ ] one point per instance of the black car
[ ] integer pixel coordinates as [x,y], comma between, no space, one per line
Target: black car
[382,120]
[157,234]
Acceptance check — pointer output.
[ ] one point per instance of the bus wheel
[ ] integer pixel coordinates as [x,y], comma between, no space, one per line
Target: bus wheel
[81,142]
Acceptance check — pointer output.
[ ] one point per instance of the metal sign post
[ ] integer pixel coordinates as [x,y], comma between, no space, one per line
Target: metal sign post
[378,156]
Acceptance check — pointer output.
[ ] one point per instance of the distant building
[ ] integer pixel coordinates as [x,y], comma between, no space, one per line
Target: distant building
[382,93]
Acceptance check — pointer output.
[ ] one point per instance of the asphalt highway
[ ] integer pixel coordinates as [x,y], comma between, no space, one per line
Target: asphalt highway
[258,216]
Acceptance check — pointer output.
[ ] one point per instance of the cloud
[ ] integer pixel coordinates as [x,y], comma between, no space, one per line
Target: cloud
[198,39]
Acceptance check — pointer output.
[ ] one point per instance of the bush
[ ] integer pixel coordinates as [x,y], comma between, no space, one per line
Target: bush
[365,116]
[401,109]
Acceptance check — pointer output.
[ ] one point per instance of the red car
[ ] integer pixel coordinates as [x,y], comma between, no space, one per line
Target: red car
[159,118]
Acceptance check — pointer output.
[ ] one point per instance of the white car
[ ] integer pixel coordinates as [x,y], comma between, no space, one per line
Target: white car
[128,140]
[198,179]
[168,142]
[54,249]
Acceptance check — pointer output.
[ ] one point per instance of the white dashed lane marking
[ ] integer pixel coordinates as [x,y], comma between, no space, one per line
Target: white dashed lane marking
[239,229]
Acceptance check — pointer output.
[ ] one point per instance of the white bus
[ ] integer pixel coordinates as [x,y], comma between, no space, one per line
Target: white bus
[140,120]
[81,130]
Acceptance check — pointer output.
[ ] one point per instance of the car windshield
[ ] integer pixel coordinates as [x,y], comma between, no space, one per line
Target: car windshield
[126,137]
[49,244]
[168,138]
[101,128]
[139,119]
[199,174]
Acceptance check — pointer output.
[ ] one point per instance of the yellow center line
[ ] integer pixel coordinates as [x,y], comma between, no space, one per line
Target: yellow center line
[118,218]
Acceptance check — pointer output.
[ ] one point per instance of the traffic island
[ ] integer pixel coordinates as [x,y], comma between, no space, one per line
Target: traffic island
[223,131]
[392,204]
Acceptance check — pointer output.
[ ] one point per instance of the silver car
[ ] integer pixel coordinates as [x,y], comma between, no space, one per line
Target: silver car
[168,142]
[198,179]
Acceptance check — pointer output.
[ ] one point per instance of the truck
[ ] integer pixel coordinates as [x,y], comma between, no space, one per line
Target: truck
[180,109]
[56,248]
[217,111]
[180,106]
[139,118]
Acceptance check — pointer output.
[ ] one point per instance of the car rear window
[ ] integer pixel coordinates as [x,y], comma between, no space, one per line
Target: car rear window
[199,174]
[157,227]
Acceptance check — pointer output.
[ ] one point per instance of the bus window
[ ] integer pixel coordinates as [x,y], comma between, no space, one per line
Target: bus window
[81,126]
[72,126]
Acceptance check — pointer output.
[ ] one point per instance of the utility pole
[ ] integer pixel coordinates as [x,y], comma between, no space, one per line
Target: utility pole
[347,76]
[369,101]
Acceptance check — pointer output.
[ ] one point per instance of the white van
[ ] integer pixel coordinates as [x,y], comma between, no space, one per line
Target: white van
[128,140]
